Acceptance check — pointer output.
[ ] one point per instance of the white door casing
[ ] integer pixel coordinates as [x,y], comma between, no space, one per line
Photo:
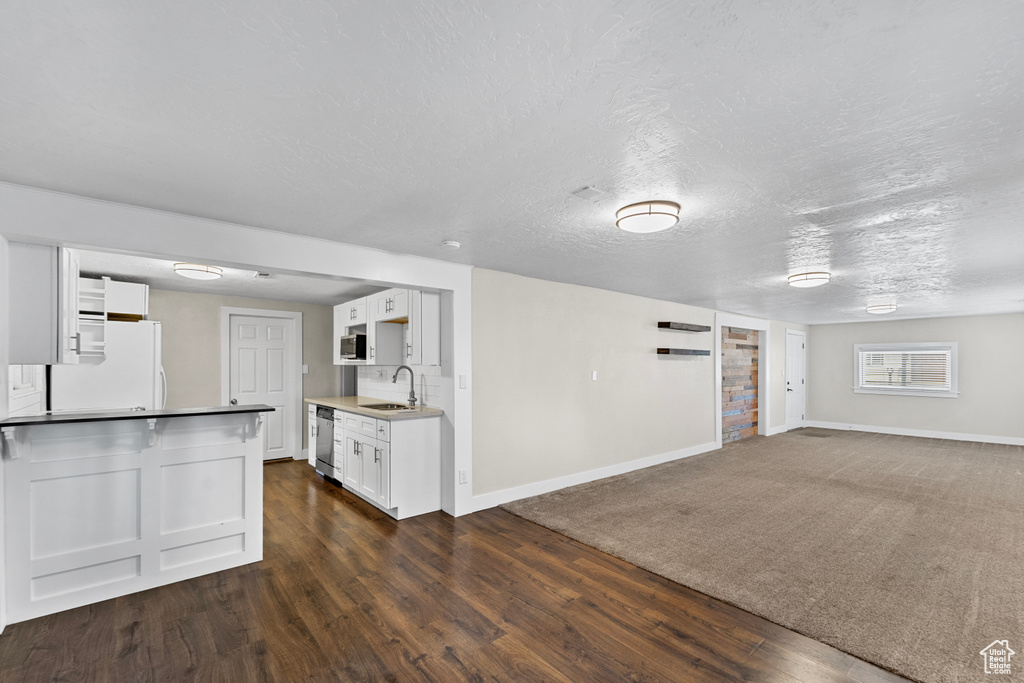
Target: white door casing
[796,384]
[261,363]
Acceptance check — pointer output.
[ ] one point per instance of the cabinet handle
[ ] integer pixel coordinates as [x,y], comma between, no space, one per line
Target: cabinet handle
[371,353]
[376,455]
[408,350]
[380,429]
[78,342]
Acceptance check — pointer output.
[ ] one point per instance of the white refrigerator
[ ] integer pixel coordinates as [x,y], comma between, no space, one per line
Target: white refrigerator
[130,375]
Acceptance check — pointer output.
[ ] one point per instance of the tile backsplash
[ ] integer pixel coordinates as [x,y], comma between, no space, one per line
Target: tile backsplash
[374,381]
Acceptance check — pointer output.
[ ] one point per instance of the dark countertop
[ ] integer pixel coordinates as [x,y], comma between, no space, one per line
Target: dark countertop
[62,418]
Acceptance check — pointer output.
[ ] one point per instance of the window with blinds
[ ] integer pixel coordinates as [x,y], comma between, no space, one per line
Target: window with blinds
[920,369]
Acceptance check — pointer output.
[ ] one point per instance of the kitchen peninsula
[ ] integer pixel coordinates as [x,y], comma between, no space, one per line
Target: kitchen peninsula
[105,504]
[387,453]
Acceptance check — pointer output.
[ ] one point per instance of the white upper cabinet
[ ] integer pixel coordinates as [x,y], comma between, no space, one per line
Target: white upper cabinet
[43,282]
[422,334]
[383,339]
[129,298]
[340,325]
[353,312]
[402,326]
[391,304]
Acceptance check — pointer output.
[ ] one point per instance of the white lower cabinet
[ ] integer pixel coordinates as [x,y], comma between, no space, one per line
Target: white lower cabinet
[396,465]
[311,436]
[375,478]
[367,467]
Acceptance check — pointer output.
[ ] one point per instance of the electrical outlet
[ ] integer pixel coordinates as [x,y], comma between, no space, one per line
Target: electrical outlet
[593,376]
[463,477]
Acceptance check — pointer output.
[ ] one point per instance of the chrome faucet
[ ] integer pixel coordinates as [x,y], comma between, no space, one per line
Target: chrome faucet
[412,383]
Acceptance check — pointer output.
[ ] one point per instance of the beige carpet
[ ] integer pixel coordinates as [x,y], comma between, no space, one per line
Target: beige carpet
[906,552]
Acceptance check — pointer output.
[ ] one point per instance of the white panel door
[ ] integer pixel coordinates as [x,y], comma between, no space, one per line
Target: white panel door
[796,385]
[260,352]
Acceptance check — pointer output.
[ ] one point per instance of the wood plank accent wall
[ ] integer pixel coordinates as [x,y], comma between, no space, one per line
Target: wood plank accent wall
[739,383]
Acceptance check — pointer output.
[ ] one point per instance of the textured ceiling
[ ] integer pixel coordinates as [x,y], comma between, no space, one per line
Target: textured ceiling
[881,140]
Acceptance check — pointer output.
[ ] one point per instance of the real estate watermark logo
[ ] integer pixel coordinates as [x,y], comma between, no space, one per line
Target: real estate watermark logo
[997,657]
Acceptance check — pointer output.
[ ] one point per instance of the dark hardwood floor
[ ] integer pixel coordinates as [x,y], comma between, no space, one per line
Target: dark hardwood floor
[347,593]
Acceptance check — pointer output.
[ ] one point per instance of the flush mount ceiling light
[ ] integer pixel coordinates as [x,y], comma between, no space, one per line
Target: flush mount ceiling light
[450,244]
[809,279]
[197,271]
[652,216]
[881,309]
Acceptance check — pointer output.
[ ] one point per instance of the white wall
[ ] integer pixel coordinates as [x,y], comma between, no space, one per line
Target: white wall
[31,215]
[991,365]
[191,346]
[541,422]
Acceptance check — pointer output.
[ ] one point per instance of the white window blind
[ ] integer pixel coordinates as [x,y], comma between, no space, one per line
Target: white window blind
[925,369]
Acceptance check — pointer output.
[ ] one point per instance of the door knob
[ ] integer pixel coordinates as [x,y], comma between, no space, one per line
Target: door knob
[234,401]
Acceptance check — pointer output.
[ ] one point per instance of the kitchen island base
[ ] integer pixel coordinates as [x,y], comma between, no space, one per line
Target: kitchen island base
[96,509]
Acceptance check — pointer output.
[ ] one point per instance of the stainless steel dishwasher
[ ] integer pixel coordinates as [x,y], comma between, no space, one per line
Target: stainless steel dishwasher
[325,441]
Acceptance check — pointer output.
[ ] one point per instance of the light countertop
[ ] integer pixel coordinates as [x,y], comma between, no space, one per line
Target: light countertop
[356,404]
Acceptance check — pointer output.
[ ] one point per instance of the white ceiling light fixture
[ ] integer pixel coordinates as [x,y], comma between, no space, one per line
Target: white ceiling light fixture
[450,244]
[650,216]
[196,271]
[814,278]
[881,309]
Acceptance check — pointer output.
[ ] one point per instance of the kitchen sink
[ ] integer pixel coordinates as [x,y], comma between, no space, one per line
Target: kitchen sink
[387,406]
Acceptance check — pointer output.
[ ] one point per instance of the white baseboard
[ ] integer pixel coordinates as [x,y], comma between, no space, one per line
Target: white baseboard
[772,431]
[490,500]
[927,433]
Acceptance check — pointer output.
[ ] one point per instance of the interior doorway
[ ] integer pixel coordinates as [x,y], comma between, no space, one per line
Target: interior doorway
[796,384]
[739,383]
[261,362]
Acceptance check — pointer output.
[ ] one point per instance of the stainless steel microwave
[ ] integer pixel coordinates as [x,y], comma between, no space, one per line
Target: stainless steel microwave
[353,347]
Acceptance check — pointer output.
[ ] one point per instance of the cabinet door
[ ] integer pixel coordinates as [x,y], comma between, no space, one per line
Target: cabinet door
[413,332]
[127,297]
[353,464]
[339,457]
[399,303]
[311,435]
[355,312]
[381,308]
[370,484]
[383,474]
[339,331]
[429,328]
[70,338]
[391,304]
[371,331]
